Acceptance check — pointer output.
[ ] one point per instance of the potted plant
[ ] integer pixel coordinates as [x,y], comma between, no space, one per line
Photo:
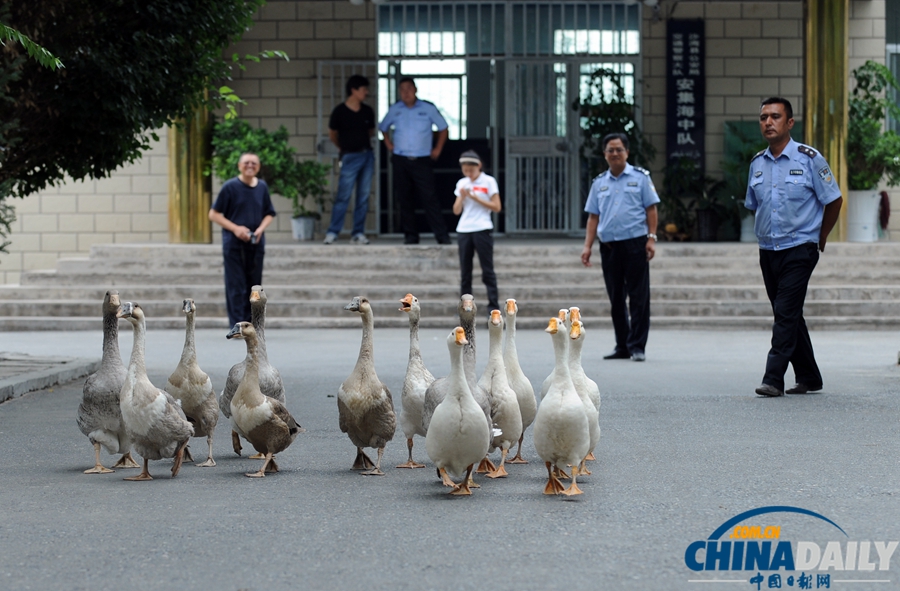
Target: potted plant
[312,180]
[873,154]
[686,189]
[740,149]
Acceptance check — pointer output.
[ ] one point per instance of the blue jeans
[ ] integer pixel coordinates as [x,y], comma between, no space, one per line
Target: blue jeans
[356,169]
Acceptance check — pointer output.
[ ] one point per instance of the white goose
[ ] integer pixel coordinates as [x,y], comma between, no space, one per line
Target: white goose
[417,380]
[365,407]
[193,389]
[563,316]
[154,419]
[458,435]
[587,390]
[99,416]
[505,412]
[561,433]
[517,379]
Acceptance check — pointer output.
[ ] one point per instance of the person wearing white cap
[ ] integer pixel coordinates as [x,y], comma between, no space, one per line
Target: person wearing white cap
[477,196]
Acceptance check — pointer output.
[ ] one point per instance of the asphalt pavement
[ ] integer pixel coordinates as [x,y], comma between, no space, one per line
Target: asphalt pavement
[686,445]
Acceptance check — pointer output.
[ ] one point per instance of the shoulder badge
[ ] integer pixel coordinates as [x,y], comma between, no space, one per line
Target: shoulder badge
[644,170]
[807,150]
[757,155]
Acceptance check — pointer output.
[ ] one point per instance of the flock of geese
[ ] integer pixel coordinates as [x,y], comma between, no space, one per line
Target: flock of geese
[463,418]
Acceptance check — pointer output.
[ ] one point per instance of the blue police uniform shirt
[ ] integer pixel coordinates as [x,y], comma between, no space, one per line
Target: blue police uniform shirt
[244,206]
[621,202]
[412,127]
[789,195]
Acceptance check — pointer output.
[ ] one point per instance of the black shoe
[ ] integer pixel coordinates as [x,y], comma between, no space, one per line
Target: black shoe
[638,356]
[616,354]
[444,240]
[411,241]
[801,388]
[769,390]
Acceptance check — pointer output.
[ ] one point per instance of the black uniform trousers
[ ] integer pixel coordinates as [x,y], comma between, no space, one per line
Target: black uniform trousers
[786,274]
[243,270]
[626,272]
[413,185]
[483,243]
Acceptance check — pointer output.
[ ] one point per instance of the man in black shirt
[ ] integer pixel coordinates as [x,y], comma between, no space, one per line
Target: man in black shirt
[351,128]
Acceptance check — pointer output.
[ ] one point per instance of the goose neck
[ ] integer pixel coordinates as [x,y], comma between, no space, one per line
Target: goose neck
[458,375]
[575,353]
[365,346]
[189,353]
[258,320]
[111,354]
[414,352]
[137,362]
[561,351]
[251,367]
[509,339]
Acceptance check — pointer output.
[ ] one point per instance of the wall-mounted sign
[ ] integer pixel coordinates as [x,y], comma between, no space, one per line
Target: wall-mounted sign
[685,90]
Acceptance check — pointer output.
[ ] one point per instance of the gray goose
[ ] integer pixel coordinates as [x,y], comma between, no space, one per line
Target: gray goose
[261,420]
[270,383]
[154,419]
[365,407]
[518,381]
[193,389]
[417,380]
[99,416]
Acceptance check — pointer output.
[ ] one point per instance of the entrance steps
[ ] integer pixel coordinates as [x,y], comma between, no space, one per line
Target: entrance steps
[714,286]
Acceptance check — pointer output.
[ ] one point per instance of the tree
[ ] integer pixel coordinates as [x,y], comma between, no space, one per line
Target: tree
[131,66]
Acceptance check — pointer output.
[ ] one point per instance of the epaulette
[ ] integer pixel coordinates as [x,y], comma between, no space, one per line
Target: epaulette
[807,150]
[644,170]
[757,155]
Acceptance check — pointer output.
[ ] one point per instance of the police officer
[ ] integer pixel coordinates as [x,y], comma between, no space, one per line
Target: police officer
[797,202]
[244,210]
[413,159]
[622,213]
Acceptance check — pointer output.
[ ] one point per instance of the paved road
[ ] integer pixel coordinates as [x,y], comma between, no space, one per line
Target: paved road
[686,445]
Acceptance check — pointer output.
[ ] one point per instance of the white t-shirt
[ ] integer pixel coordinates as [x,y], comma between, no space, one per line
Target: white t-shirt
[476,217]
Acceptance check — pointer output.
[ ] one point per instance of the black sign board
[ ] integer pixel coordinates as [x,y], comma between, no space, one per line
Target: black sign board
[685,90]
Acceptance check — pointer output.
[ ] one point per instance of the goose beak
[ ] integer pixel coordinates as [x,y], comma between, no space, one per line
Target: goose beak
[511,306]
[188,306]
[353,306]
[126,310]
[406,303]
[575,313]
[460,336]
[114,298]
[468,303]
[576,330]
[563,314]
[254,296]
[552,326]
[235,332]
[496,320]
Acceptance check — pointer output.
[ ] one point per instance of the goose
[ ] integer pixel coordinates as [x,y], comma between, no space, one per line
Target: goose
[587,390]
[365,407]
[270,382]
[504,404]
[99,416]
[154,419]
[563,316]
[193,389]
[438,389]
[561,434]
[417,380]
[520,384]
[458,435]
[261,420]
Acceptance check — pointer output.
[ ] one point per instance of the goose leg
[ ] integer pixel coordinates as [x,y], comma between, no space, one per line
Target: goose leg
[273,467]
[445,478]
[582,469]
[98,467]
[179,458]
[145,473]
[553,486]
[126,461]
[518,459]
[463,487]
[262,470]
[376,471]
[500,472]
[486,465]
[410,463]
[573,488]
[236,442]
[590,457]
[209,459]
[187,454]
[362,462]
[560,474]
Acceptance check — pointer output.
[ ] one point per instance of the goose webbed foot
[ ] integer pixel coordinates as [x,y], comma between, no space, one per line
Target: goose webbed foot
[590,457]
[187,454]
[410,463]
[560,474]
[263,469]
[376,471]
[98,468]
[236,442]
[581,469]
[518,459]
[445,478]
[210,462]
[126,461]
[573,489]
[362,461]
[258,456]
[486,465]
[553,486]
[179,458]
[500,472]
[145,473]
[463,487]
[272,467]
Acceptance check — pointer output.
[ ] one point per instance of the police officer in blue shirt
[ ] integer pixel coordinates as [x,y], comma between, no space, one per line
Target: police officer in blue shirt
[414,153]
[797,202]
[622,213]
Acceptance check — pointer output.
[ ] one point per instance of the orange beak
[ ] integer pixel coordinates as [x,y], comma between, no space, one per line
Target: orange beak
[461,336]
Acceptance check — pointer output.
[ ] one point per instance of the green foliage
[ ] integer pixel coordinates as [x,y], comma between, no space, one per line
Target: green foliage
[686,190]
[43,57]
[606,109]
[285,176]
[872,154]
[736,167]
[132,66]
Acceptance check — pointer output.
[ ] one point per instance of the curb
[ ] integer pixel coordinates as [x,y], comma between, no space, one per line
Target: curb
[62,369]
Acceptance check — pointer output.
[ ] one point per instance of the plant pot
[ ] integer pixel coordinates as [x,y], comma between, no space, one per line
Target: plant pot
[748,234]
[862,216]
[707,225]
[304,228]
